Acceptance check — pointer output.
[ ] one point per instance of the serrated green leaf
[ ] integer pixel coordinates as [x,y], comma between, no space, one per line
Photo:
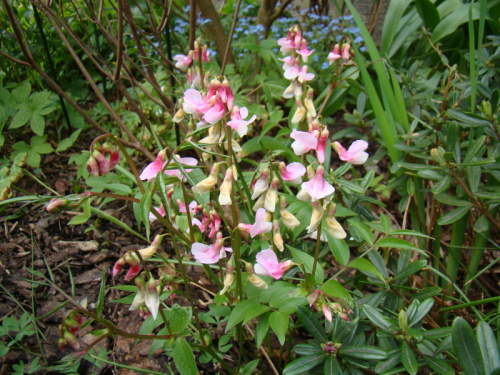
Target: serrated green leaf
[302,365]
[454,215]
[311,323]
[335,289]
[279,324]
[365,265]
[68,142]
[408,359]
[21,118]
[466,347]
[184,358]
[37,123]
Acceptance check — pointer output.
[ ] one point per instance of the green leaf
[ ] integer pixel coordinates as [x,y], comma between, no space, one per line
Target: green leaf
[78,219]
[245,311]
[334,289]
[438,365]
[332,367]
[21,118]
[362,230]
[397,243]
[410,269]
[261,329]
[466,347]
[311,323]
[307,261]
[489,347]
[452,21]
[428,12]
[376,318]
[307,349]
[302,365]
[250,367]
[184,357]
[179,318]
[452,201]
[454,215]
[441,185]
[364,352]
[339,249]
[37,123]
[145,207]
[408,359]
[68,142]
[279,323]
[423,308]
[365,265]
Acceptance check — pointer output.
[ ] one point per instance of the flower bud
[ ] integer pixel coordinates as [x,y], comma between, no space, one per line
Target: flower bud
[226,188]
[277,237]
[316,217]
[403,320]
[299,114]
[272,195]
[93,167]
[55,204]
[228,281]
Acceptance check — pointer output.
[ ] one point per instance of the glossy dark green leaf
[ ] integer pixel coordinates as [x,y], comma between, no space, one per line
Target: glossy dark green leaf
[301,365]
[466,347]
[454,215]
[392,360]
[408,359]
[422,310]
[311,323]
[397,243]
[332,367]
[489,347]
[438,365]
[441,185]
[364,352]
[307,349]
[376,318]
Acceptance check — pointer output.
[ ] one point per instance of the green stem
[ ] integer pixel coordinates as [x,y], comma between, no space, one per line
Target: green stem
[455,249]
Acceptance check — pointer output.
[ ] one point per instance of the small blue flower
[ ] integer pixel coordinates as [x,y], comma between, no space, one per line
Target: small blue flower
[324,66]
[358,39]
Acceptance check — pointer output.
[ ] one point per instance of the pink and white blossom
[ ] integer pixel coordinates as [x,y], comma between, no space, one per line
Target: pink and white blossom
[237,121]
[261,225]
[183,61]
[152,169]
[195,104]
[318,187]
[304,142]
[334,55]
[293,172]
[268,264]
[303,76]
[209,254]
[355,154]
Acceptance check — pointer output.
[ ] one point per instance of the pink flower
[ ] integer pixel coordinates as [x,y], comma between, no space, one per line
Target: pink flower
[216,112]
[237,122]
[304,51]
[194,103]
[161,211]
[346,52]
[292,71]
[209,254]
[183,61]
[260,226]
[304,142]
[318,187]
[334,55]
[184,161]
[303,76]
[152,169]
[293,172]
[287,45]
[268,265]
[355,154]
[320,150]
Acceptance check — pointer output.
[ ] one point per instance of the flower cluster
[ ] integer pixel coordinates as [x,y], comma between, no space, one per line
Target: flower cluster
[103,159]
